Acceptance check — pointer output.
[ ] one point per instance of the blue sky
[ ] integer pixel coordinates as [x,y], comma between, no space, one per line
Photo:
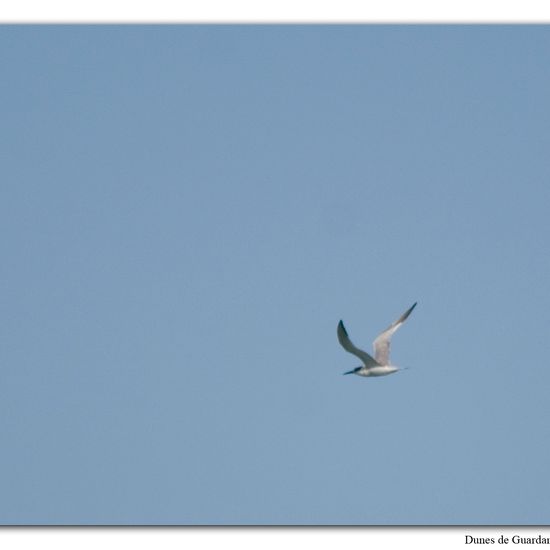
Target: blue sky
[188,211]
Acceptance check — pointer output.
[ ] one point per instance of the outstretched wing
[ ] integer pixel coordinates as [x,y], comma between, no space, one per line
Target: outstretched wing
[346,343]
[382,343]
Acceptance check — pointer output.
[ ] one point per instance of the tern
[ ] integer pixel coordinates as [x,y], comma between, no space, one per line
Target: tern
[379,365]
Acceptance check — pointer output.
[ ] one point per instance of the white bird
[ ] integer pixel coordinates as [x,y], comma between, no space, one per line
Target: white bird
[379,365]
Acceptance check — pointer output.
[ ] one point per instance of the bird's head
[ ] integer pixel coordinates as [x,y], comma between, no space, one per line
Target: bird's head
[354,370]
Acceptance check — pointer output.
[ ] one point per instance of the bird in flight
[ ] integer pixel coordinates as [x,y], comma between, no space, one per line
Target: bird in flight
[379,365]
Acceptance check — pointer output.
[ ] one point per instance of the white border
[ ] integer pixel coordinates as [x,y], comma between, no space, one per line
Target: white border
[273,11]
[264,538]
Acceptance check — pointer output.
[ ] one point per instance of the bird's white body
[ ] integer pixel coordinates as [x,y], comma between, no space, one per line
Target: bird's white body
[379,365]
[382,370]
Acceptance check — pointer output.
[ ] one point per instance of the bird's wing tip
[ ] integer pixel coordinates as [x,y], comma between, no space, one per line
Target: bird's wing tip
[407,313]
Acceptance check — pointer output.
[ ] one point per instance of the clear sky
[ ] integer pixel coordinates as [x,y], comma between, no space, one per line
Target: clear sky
[187,213]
